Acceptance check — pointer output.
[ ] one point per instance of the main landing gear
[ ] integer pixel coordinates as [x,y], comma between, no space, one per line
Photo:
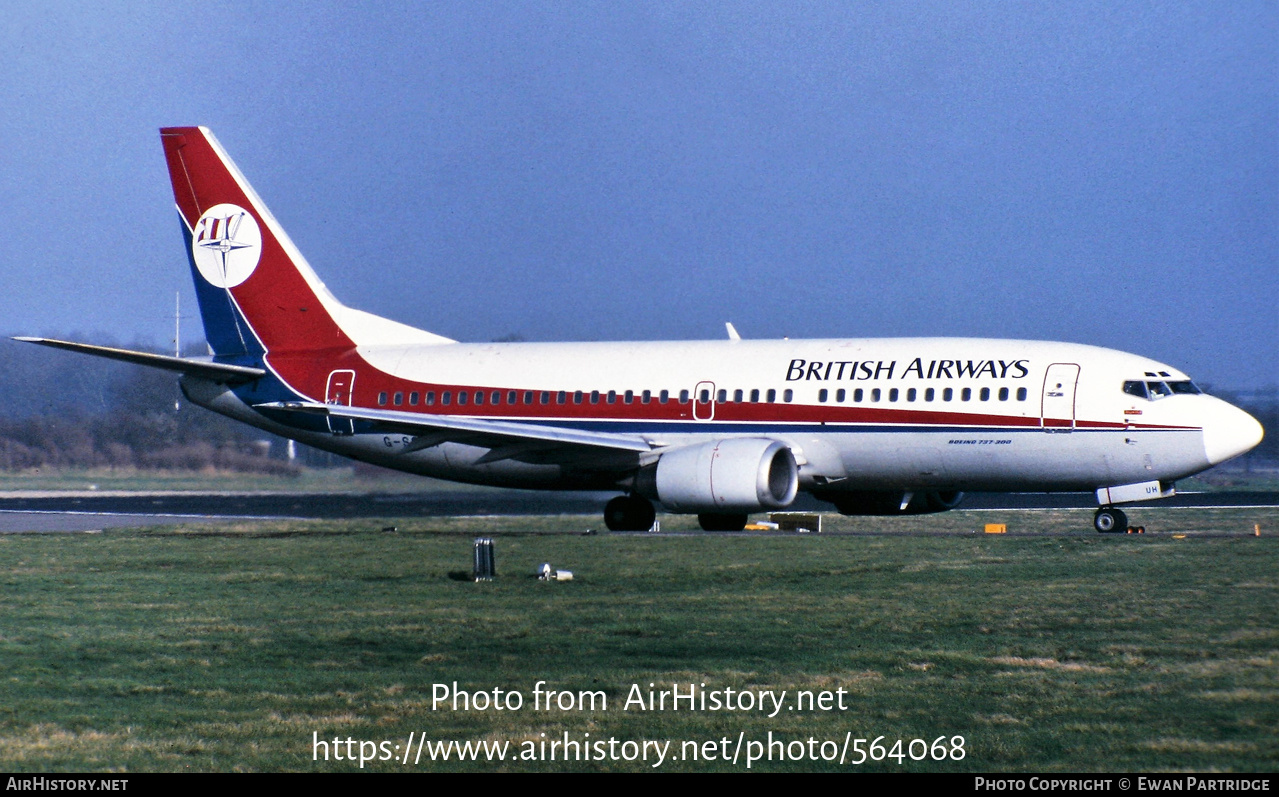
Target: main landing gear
[635,513]
[1109,520]
[722,522]
[629,513]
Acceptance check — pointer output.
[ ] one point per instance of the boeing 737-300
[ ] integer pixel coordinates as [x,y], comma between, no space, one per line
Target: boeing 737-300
[717,428]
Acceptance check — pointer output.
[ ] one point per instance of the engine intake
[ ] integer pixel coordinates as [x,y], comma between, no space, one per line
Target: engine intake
[739,474]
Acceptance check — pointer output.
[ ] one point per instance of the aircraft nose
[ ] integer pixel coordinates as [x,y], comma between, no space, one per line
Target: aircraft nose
[1229,432]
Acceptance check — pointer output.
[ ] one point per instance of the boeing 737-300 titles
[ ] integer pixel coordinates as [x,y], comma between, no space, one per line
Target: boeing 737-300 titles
[716,428]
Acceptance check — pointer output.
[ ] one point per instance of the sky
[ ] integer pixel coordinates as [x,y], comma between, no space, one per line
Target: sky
[1103,173]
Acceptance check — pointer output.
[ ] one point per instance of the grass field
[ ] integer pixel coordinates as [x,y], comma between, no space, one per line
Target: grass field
[226,647]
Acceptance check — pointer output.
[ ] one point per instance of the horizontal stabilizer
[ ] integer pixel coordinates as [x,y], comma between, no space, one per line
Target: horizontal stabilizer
[217,372]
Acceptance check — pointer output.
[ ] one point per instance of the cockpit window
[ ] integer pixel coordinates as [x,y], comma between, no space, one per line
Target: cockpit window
[1137,389]
[1154,391]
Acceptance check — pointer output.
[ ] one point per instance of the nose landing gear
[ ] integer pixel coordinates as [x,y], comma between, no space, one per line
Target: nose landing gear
[1109,520]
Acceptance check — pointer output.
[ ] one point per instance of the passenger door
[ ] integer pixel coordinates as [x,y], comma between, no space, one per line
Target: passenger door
[339,390]
[1058,407]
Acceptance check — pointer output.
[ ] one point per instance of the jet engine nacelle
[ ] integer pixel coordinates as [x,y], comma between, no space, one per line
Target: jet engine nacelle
[725,476]
[875,502]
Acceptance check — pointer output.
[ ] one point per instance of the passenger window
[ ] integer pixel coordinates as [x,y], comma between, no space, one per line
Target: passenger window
[1003,394]
[413,397]
[595,397]
[704,396]
[839,395]
[874,394]
[496,398]
[546,397]
[399,398]
[479,397]
[737,397]
[664,396]
[788,395]
[561,397]
[629,397]
[381,399]
[910,394]
[985,394]
[511,397]
[772,395]
[612,397]
[461,397]
[1021,394]
[446,398]
[892,394]
[947,394]
[430,397]
[528,397]
[755,396]
[721,396]
[821,395]
[857,395]
[966,394]
[928,394]
[683,397]
[646,397]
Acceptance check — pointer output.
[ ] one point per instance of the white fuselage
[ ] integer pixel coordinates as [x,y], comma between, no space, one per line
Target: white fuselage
[861,414]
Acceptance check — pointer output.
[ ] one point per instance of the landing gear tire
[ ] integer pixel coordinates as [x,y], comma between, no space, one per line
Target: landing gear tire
[1109,520]
[629,513]
[722,522]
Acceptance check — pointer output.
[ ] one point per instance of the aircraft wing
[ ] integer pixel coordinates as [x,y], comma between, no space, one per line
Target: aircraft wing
[534,443]
[217,372]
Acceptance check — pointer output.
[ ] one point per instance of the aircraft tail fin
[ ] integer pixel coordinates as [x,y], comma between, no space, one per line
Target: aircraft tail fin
[257,293]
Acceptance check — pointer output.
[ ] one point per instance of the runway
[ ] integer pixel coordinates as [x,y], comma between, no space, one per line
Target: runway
[90,511]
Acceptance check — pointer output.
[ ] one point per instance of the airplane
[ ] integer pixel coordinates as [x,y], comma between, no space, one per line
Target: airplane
[720,429]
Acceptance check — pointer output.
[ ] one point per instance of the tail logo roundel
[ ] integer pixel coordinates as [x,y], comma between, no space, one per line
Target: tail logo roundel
[226,245]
